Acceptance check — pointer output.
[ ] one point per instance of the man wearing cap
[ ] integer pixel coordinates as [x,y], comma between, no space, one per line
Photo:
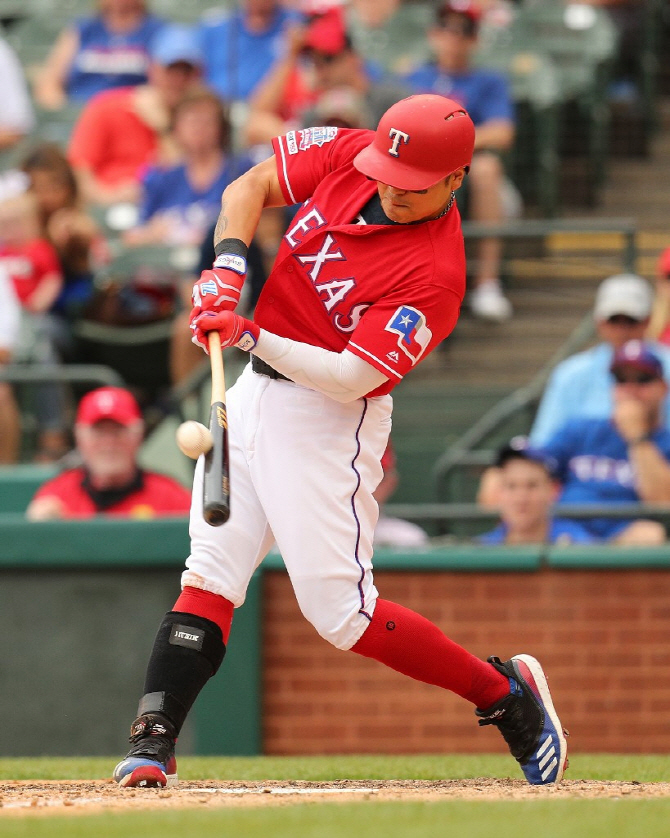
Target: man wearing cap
[581,385]
[623,458]
[486,95]
[368,280]
[108,434]
[527,493]
[120,132]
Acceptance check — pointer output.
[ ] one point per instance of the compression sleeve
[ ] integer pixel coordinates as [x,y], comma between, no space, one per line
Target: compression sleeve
[342,376]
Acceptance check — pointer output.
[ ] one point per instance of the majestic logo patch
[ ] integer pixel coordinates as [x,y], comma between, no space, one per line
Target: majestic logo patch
[413,334]
[316,136]
[187,636]
[393,356]
[397,136]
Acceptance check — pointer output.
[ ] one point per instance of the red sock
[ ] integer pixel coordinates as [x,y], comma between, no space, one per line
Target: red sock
[210,606]
[411,644]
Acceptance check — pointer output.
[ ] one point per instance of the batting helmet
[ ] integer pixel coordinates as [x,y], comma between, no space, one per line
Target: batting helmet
[418,141]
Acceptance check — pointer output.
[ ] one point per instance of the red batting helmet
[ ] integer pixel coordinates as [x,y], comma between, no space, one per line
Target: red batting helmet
[418,141]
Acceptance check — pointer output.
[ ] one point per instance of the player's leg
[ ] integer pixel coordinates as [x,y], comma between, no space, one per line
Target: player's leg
[191,640]
[329,559]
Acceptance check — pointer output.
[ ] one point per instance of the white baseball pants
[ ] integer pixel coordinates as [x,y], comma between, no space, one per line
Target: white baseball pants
[303,468]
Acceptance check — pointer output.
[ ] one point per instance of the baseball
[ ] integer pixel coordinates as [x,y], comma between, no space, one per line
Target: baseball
[193,439]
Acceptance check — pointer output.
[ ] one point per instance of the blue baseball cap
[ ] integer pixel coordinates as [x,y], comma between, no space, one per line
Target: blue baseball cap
[175,43]
[519,448]
[637,355]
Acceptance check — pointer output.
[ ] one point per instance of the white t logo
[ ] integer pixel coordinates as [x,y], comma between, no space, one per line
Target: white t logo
[397,135]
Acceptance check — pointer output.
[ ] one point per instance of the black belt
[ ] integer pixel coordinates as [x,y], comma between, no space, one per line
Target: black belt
[261,368]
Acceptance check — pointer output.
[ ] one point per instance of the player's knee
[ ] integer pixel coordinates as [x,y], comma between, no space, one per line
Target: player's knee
[339,628]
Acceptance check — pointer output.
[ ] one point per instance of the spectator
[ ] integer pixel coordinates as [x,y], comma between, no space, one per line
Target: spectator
[10,321]
[392,33]
[100,52]
[121,132]
[108,434]
[528,489]
[622,458]
[180,203]
[394,532]
[240,47]
[16,112]
[659,326]
[320,60]
[72,232]
[486,96]
[32,264]
[581,385]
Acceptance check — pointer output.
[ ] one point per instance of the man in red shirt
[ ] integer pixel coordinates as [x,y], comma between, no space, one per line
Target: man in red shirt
[108,432]
[120,132]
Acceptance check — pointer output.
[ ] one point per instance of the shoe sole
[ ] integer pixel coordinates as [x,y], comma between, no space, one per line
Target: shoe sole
[148,777]
[545,696]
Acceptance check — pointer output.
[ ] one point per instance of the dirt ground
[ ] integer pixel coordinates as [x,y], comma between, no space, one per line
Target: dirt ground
[87,797]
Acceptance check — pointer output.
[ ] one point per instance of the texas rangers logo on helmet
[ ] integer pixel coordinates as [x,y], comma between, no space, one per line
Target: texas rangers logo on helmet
[397,136]
[413,333]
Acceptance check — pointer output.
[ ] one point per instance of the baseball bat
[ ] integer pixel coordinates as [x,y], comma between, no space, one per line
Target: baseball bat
[216,486]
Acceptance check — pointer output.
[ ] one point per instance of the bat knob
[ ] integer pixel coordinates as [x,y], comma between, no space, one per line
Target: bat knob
[216,515]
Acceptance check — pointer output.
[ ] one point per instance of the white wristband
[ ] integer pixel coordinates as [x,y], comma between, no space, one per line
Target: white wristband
[232,262]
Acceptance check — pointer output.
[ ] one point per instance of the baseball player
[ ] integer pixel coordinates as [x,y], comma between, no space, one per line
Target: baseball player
[368,280]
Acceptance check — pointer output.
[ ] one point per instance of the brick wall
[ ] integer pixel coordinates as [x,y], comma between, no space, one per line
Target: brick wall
[602,636]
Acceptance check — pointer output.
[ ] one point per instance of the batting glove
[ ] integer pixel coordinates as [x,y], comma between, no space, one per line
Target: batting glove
[219,289]
[233,330]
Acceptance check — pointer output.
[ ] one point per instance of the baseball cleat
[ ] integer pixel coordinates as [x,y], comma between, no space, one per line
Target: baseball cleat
[528,721]
[151,762]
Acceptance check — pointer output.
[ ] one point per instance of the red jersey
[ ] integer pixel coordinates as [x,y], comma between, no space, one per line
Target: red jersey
[28,265]
[388,293]
[111,139]
[157,495]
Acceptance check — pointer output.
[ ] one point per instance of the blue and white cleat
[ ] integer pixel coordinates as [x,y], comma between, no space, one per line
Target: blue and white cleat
[151,762]
[528,721]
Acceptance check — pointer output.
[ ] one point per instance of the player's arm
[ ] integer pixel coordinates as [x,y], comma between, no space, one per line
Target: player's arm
[342,376]
[244,199]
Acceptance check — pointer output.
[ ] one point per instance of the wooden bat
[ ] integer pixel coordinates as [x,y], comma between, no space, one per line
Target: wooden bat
[216,486]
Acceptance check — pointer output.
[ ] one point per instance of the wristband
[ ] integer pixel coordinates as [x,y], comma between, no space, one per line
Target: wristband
[231,262]
[645,438]
[236,246]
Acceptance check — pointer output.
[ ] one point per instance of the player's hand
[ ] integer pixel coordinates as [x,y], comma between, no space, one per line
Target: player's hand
[219,289]
[233,330]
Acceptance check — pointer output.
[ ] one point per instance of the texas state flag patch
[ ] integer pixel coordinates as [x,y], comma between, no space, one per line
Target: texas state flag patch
[413,334]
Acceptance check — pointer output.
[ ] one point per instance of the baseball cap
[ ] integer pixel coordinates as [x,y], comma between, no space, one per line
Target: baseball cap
[176,43]
[519,448]
[460,7]
[113,403]
[664,262]
[639,356]
[627,294]
[327,33]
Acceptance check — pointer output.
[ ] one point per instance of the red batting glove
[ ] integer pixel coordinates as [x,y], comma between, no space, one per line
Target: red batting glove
[220,288]
[233,330]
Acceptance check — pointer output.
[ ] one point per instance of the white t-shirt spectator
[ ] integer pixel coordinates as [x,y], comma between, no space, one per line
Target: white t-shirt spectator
[16,111]
[10,312]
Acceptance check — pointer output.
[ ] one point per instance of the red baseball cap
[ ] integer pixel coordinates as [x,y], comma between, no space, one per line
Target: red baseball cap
[113,403]
[640,356]
[461,7]
[327,33]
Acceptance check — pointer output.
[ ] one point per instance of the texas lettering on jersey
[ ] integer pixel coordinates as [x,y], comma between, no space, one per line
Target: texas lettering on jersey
[333,290]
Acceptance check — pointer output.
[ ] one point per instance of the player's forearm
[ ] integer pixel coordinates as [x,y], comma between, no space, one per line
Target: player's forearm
[243,201]
[342,376]
[652,472]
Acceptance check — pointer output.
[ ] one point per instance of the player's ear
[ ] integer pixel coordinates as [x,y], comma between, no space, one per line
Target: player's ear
[457,178]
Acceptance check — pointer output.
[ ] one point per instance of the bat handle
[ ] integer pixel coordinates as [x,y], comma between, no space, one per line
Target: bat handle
[216,361]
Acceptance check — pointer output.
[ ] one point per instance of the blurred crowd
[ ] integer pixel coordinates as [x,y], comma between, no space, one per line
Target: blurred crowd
[157,117]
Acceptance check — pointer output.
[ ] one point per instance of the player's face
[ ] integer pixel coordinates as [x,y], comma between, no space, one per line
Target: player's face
[526,495]
[405,206]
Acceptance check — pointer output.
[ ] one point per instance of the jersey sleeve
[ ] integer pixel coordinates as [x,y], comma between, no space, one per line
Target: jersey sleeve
[402,328]
[306,156]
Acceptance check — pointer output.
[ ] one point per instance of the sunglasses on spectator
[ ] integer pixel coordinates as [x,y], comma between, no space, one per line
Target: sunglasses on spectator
[623,320]
[634,377]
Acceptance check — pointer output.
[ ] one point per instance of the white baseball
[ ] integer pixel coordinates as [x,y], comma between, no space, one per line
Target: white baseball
[193,439]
